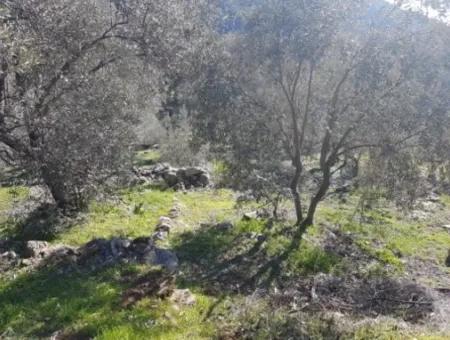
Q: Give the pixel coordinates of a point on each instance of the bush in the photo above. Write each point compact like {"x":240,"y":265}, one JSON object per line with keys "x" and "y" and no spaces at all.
{"x":177,"y":148}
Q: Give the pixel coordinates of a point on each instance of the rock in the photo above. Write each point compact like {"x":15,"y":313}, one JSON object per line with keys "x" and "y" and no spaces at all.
{"x":93,"y":247}
{"x":160,"y":168}
{"x":164,"y":227}
{"x":174,"y":212}
{"x":250,"y":216}
{"x":170,"y":177}
{"x":161,"y":257}
{"x":164,"y":220}
{"x":26,"y":262}
{"x":9,"y":256}
{"x":419,"y":215}
{"x":447,"y":260}
{"x":61,"y":254}
{"x":246,"y":197}
{"x":204,"y":180}
{"x":141,"y":245}
{"x":224,"y":226}
{"x":8,"y":260}
{"x":35,"y":248}
{"x":190,"y":172}
{"x":119,"y":246}
{"x":433,"y":198}
{"x":183,"y":297}
{"x":160,"y":235}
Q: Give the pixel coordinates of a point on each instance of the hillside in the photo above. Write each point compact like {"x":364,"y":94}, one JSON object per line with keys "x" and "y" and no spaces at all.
{"x":394,"y":263}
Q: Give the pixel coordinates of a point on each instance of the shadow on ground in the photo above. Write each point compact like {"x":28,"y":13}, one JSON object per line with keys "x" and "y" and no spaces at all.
{"x":44,"y":222}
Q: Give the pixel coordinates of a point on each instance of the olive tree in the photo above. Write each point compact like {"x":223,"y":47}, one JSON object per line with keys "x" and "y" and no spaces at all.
{"x":75,"y":73}
{"x":63,"y":111}
{"x":301,"y":88}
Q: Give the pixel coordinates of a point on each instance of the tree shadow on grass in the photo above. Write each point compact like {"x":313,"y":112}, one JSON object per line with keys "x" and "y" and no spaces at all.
{"x":40,"y":303}
{"x":44,"y":222}
{"x":11,"y":177}
{"x":225,"y":263}
{"x":219,"y":261}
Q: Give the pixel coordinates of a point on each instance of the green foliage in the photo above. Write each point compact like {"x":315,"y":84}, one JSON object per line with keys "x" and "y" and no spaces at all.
{"x":146,"y":157}
{"x":311,"y":260}
{"x":251,"y":226}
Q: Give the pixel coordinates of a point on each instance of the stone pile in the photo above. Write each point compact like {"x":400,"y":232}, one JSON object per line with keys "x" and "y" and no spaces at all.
{"x":178,"y":178}
{"x":93,"y":255}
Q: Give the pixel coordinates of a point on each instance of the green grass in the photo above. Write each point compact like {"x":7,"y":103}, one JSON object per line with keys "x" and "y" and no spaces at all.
{"x":9,"y":196}
{"x":146,"y":157}
{"x":387,"y":235}
{"x":37,"y":305}
{"x":137,"y":211}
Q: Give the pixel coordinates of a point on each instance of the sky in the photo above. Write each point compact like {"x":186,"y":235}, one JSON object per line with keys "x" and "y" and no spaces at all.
{"x":416,"y":6}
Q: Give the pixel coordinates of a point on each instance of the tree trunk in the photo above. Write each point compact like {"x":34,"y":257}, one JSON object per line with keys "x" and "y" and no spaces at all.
{"x":56,"y":188}
{"x":296,"y":195}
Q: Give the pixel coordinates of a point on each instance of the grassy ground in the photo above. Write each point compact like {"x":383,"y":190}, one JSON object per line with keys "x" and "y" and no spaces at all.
{"x":37,"y":304}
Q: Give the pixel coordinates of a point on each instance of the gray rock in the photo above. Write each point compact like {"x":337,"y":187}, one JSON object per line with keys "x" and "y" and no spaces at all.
{"x":35,"y":248}
{"x":160,"y":235}
{"x":174,"y":212}
{"x":164,"y":227}
{"x":183,"y":297}
{"x":250,"y":216}
{"x":190,"y":172}
{"x":164,"y":220}
{"x":9,"y":256}
{"x":26,"y":262}
{"x":170,"y":177}
{"x":204,"y":180}
{"x":224,"y":226}
{"x":161,"y":257}
{"x":119,"y":246}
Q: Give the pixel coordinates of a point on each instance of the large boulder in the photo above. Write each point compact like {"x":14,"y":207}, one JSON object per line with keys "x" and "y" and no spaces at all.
{"x":170,"y":176}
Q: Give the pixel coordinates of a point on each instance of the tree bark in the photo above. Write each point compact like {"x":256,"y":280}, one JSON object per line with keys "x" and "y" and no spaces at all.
{"x":56,"y":188}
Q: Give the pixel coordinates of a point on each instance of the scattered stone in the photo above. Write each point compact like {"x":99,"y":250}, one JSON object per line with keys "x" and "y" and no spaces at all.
{"x":164,"y":227}
{"x":433,"y":197}
{"x":178,"y":178}
{"x":161,"y":257}
{"x":224,"y":226}
{"x":8,"y":260}
{"x":9,"y":255}
{"x":164,"y":220}
{"x":35,"y":248}
{"x":419,"y":215}
{"x":183,"y":297}
{"x":174,"y":212}
{"x":119,"y":246}
{"x":160,"y":236}
{"x":250,"y":216}
{"x":26,"y":262}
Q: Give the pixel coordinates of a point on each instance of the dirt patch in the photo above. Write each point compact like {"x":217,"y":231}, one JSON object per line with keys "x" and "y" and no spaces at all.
{"x":155,"y":283}
{"x":368,"y":297}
